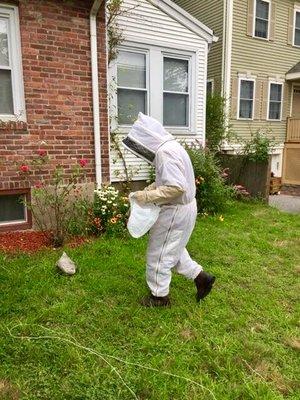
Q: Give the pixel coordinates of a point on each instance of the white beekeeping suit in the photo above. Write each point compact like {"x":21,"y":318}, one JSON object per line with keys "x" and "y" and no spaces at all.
{"x":174,"y":189}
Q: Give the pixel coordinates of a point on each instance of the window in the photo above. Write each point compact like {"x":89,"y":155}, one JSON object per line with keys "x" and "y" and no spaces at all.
{"x":132,"y":86}
{"x":297,"y":28}
{"x":246,"y":97}
{"x":11,"y":84}
{"x":209,"y":87}
{"x":261,"y":21}
{"x":13,"y":211}
{"x":176,"y":92}
{"x":157,"y":82}
{"x":275,"y":101}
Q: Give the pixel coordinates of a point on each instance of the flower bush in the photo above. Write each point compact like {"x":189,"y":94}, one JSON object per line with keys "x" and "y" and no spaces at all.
{"x":212,"y":192}
{"x":110,"y":211}
{"x":58,"y":205}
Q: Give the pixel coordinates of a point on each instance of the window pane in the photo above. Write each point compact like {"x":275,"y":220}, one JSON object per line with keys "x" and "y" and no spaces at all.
{"x":261,"y":28}
{"x":275,"y":92}
{"x":246,"y":107}
{"x":6,"y":99}
{"x":247,"y":89}
{"x":11,"y":208}
{"x":131,"y":69}
{"x":297,"y":37}
{"x":176,"y":75}
{"x":298,"y":20}
{"x":262,"y":9}
{"x":130,"y":103}
{"x":274,"y":112}
{"x":4,"y":60}
{"x":176,"y":109}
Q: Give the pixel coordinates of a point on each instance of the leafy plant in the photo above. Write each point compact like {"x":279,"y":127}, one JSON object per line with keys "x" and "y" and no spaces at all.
{"x":57,"y":202}
{"x":216,"y":128}
{"x":259,"y":147}
{"x":213,"y":195}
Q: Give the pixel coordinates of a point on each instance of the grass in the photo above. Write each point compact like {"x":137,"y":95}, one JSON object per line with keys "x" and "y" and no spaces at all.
{"x":242,"y":342}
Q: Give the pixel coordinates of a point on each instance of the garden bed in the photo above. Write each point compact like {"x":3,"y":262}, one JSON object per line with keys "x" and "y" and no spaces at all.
{"x":30,"y":241}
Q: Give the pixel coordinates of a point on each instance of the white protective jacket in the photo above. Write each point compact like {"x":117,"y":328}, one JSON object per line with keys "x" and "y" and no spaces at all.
{"x":170,"y":234}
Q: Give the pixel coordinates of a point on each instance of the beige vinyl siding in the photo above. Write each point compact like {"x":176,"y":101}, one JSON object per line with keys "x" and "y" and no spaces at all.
{"x":211,"y":14}
{"x":265,"y":60}
{"x":146,"y":24}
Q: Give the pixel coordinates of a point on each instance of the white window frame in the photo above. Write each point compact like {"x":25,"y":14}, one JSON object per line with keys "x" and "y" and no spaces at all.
{"x":254,"y":20}
{"x":11,"y":13}
{"x":296,"y":10}
{"x":212,"y":81}
{"x":188,"y":93}
{"x":241,"y":78}
{"x":17,"y":221}
{"x":269,"y":92}
{"x":146,"y":90}
{"x":156,"y":55}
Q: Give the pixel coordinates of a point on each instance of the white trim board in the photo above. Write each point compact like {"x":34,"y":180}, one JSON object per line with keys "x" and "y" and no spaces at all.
{"x":185,"y":19}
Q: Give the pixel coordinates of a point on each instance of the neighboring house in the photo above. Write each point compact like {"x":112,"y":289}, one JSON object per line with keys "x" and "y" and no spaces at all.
{"x":255,"y":65}
{"x":49,"y":97}
{"x":160,"y":70}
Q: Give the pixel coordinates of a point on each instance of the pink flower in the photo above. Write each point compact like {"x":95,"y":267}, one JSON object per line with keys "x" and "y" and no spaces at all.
{"x":24,"y":168}
{"x":42,"y":153}
{"x":83,"y":162}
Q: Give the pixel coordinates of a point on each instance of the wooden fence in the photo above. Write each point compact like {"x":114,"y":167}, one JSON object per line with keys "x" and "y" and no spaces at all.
{"x":293,"y":130}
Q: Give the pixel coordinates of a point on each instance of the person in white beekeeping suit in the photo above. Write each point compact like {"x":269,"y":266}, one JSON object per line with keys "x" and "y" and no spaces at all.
{"x":174,"y":190}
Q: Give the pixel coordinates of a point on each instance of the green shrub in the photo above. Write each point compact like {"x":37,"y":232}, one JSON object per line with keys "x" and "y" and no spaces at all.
{"x":259,"y":147}
{"x":213,"y":194}
{"x":215,"y":121}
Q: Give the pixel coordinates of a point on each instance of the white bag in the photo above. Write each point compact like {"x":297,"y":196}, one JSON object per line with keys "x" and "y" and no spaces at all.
{"x":142,"y":217}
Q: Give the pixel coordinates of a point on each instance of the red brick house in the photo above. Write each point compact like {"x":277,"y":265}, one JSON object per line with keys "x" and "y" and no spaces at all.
{"x":53,"y":93}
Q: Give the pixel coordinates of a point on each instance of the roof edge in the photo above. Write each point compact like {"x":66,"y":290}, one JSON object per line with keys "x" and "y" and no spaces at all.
{"x":184,"y":18}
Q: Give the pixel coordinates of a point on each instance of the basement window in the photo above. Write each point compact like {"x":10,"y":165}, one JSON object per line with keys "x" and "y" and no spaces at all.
{"x":13,"y":210}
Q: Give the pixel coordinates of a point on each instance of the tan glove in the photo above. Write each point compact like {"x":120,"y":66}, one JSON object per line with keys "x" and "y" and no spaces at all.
{"x":160,"y":195}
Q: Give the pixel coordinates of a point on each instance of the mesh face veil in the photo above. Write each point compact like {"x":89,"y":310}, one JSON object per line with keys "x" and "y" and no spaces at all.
{"x":145,"y":137}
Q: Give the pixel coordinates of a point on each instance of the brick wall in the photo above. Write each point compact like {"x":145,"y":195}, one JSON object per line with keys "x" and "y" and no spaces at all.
{"x":58,"y":91}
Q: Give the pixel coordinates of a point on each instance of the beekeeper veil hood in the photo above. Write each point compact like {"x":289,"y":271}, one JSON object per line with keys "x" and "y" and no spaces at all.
{"x":146,"y":136}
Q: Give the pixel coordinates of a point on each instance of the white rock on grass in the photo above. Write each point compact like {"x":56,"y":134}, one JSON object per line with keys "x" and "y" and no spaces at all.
{"x":66,"y":265}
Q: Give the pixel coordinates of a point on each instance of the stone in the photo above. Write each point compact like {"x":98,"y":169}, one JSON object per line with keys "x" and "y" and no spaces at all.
{"x":66,"y":265}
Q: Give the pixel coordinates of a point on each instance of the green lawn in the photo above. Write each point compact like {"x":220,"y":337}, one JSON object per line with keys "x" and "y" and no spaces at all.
{"x":242,"y":342}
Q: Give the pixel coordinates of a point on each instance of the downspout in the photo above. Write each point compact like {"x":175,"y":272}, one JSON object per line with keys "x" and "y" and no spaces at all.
{"x":95,"y":89}
{"x":227,"y":55}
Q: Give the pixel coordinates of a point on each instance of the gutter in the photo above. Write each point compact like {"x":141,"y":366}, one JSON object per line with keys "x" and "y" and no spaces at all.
{"x":95,"y":89}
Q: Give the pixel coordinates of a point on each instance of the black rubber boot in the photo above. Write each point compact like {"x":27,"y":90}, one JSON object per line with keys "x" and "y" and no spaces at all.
{"x":152,"y":301}
{"x":204,"y":283}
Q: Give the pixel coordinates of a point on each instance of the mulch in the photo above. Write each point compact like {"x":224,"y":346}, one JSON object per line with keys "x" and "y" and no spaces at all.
{"x":30,"y":242}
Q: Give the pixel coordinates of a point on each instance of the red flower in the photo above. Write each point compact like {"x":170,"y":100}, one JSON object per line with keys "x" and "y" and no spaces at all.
{"x":24,"y":168}
{"x":83,"y":162}
{"x":42,"y":153}
{"x":38,"y":185}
